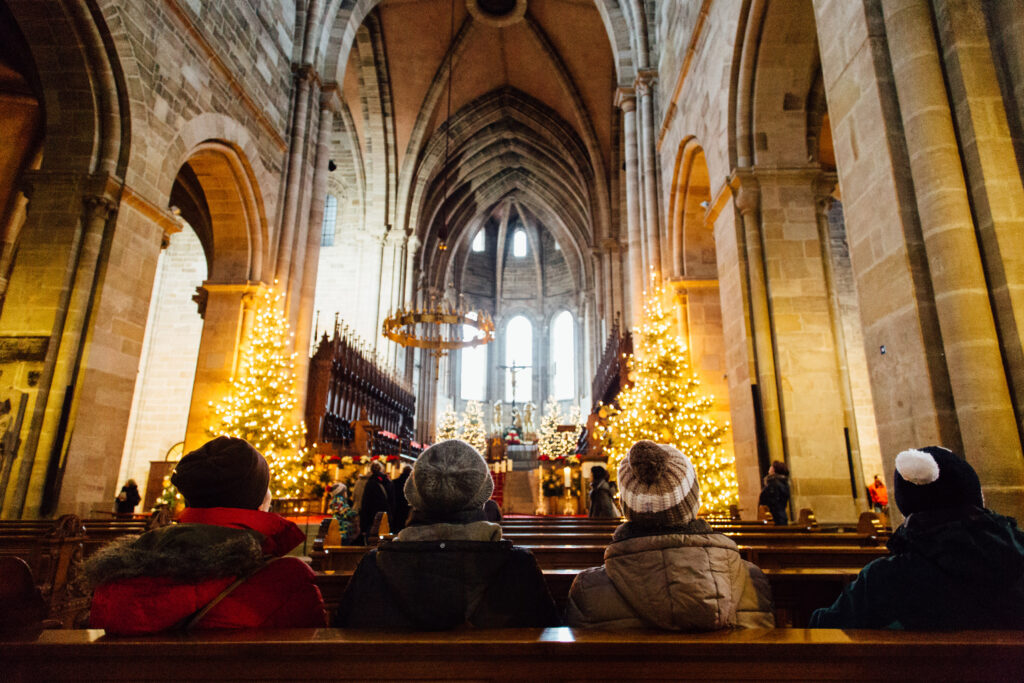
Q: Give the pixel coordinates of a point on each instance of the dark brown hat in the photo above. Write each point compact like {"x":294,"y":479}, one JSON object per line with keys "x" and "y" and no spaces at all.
{"x":223,"y":473}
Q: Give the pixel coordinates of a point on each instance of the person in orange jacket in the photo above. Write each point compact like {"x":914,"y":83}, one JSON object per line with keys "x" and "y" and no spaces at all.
{"x":879,"y":496}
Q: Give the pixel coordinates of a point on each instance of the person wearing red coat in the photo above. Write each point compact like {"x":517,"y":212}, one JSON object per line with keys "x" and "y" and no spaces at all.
{"x":226,"y":545}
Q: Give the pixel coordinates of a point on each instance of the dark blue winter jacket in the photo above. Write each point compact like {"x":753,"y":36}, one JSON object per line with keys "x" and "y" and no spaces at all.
{"x":949,"y":569}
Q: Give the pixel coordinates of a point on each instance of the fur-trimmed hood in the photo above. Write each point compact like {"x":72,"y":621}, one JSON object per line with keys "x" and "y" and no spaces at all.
{"x":207,"y":543}
{"x":183,"y":552}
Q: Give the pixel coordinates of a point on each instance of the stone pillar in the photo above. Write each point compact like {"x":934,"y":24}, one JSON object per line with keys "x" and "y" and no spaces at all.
{"x":985,"y":415}
{"x":652,"y":227}
{"x":626,"y":101}
{"x":70,"y":318}
{"x":227,"y":311}
{"x":614,"y":258}
{"x":747,"y":199}
{"x":738,"y":365}
{"x":910,"y":382}
{"x":311,"y":250}
{"x":822,"y":199}
{"x":295,"y":172}
{"x":807,"y":384}
{"x":992,"y":172}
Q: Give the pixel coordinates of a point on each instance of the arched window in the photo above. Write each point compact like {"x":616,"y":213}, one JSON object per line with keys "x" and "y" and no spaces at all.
{"x":473,"y":383}
{"x":519,"y":353}
{"x":563,"y":357}
{"x":330,"y":219}
{"x":519,"y":243}
{"x":479,"y":242}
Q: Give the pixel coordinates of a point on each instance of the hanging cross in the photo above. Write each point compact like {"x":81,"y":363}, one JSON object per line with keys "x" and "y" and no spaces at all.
{"x":513,"y":369}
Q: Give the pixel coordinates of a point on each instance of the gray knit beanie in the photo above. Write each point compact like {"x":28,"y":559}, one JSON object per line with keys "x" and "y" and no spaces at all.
{"x":450,"y":476}
{"x":658,"y":486}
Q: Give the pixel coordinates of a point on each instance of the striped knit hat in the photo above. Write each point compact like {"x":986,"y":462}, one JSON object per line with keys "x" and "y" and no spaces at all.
{"x":658,"y":486}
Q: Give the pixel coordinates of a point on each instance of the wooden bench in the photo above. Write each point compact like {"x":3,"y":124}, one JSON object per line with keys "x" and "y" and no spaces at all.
{"x":518,"y":654}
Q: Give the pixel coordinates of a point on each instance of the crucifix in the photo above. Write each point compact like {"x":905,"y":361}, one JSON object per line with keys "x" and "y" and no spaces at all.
{"x":513,"y":369}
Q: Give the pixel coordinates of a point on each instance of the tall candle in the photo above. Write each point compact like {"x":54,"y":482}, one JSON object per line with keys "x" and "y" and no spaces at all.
{"x":568,"y":481}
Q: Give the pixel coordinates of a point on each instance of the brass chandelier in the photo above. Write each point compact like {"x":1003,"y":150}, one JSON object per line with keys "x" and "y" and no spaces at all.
{"x":423,"y":328}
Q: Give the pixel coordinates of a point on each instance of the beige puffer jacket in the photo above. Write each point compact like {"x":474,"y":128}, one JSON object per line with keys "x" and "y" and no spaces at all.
{"x":676,"y":581}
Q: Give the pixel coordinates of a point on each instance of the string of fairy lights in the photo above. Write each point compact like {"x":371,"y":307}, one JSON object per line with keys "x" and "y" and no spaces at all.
{"x":664,"y":404}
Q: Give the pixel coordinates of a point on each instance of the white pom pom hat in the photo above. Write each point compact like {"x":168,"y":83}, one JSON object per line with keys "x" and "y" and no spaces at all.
{"x":932,"y":478}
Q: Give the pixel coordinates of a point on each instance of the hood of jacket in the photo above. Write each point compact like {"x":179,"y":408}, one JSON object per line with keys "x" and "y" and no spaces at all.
{"x":681,"y":578}
{"x":973,"y":547}
{"x":439,"y":573}
{"x":207,"y":543}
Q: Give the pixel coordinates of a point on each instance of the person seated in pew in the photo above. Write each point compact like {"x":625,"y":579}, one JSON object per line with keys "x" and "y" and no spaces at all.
{"x":447,"y":568}
{"x":221,"y":567}
{"x":602,"y":498}
{"x":954,"y":564}
{"x":664,"y":567}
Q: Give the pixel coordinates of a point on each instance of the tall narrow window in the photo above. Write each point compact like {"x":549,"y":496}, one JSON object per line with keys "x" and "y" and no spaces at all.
{"x":479,"y":242}
{"x":473,"y":384}
{"x":519,"y":360}
{"x":330,"y":218}
{"x":519,"y":243}
{"x":563,"y":356}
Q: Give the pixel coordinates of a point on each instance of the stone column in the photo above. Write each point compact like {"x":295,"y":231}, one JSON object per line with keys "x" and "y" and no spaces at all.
{"x":822,"y":200}
{"x":992,"y":172}
{"x":626,"y":101}
{"x":311,"y":259}
{"x":988,"y":429}
{"x":613,"y":250}
{"x":304,"y":76}
{"x":747,"y":199}
{"x":652,"y":229}
{"x":61,"y":364}
{"x":227,"y":310}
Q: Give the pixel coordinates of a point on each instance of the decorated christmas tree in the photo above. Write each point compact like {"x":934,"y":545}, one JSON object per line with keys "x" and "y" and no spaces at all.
{"x":570,"y":439}
{"x":549,"y":441}
{"x":260,"y":404}
{"x":473,"y":427}
{"x":447,"y":428}
{"x":664,"y":404}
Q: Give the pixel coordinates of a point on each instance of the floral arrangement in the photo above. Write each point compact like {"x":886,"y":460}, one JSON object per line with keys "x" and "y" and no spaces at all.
{"x":562,"y":458}
{"x":512,"y":437}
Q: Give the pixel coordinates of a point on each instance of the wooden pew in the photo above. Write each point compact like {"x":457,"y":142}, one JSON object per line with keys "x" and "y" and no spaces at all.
{"x":773,"y":558}
{"x":534,"y":654}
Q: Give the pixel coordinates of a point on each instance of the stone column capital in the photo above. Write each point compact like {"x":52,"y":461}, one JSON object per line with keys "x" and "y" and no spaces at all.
{"x":824,"y":186}
{"x":746,"y":191}
{"x":625,"y":99}
{"x":645,"y":80}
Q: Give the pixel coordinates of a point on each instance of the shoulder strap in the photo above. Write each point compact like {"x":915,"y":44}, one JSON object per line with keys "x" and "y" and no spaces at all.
{"x":189,"y":622}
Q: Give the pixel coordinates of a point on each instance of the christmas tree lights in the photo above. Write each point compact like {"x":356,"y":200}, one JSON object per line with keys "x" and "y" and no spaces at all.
{"x":260,"y":403}
{"x":549,"y":440}
{"x":664,"y":405}
{"x":473,"y":427}
{"x":448,"y":427}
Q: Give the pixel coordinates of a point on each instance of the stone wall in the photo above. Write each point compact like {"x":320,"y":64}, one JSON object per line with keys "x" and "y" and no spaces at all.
{"x":167,"y":365}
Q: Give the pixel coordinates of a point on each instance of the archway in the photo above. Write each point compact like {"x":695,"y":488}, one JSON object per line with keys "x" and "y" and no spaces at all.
{"x":694,"y":281}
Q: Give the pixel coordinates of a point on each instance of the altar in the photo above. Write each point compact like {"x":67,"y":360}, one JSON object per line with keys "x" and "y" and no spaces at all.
{"x":523,"y":456}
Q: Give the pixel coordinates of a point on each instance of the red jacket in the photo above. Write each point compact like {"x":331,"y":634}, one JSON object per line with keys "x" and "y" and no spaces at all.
{"x":152,"y":583}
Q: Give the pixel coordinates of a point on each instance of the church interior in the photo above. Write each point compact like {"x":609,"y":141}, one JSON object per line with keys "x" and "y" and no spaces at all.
{"x":424,"y":219}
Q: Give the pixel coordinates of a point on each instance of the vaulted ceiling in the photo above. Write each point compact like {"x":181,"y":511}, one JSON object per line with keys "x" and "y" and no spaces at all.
{"x":526,"y":110}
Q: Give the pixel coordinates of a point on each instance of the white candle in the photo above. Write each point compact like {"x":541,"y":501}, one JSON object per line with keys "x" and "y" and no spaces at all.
{"x":568,"y":478}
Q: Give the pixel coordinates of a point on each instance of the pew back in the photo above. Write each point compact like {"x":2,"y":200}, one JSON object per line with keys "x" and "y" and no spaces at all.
{"x":519,"y":654}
